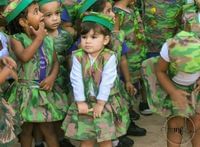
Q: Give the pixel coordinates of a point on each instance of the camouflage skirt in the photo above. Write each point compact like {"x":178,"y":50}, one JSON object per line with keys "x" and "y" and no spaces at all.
{"x":37,"y":105}
{"x":113,"y":122}
{"x":9,"y":124}
{"x":159,"y":101}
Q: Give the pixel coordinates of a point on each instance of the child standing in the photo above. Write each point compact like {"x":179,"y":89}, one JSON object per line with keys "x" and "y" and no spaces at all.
{"x":9,"y":122}
{"x":34,"y":95}
{"x":98,"y":113}
{"x":62,"y":41}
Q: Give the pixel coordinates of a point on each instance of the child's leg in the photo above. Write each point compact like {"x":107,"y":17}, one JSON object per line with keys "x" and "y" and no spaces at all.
{"x":87,"y":143}
{"x":105,"y":144}
{"x":194,"y":129}
{"x":175,"y":130}
{"x":26,"y":135}
{"x":37,"y":134}
{"x":49,"y":134}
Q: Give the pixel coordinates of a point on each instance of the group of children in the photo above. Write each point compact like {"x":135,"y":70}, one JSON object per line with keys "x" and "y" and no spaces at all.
{"x":75,"y":78}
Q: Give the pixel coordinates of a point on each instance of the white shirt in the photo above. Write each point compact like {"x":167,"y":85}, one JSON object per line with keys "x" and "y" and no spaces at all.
{"x":109,"y":75}
{"x":4,"y":42}
{"x":181,"y":78}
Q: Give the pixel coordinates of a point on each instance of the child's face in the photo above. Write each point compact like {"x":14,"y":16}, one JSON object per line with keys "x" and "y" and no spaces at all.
{"x":93,"y":42}
{"x":34,"y":16}
{"x":108,"y":10}
{"x":51,"y":13}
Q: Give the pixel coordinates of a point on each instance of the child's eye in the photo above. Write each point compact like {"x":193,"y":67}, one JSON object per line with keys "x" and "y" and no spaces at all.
{"x":47,"y":15}
{"x":83,"y":36}
{"x":58,"y":13}
{"x":94,"y":36}
{"x":36,"y":11}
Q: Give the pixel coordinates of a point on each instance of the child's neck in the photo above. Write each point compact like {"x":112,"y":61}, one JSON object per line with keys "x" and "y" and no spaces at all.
{"x":53,"y":33}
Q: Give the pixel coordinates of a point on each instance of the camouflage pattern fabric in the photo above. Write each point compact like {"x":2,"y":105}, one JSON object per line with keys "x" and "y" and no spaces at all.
{"x":33,"y":103}
{"x":131,"y":24}
{"x":191,"y":18}
{"x":9,"y":124}
{"x":158,"y":100}
{"x":114,"y":120}
{"x":61,"y":44}
{"x":162,"y":19}
{"x":117,"y":38}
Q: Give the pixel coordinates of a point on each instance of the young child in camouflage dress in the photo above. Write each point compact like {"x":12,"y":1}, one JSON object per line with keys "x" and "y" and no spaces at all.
{"x":173,"y":92}
{"x":98,"y":113}
{"x":128,"y":19}
{"x":34,"y":95}
{"x":9,"y":122}
{"x":62,"y":41}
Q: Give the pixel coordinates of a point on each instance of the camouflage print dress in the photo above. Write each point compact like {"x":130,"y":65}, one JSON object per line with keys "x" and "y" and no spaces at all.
{"x":33,"y":103}
{"x":9,"y":124}
{"x":117,"y":41}
{"x":114,"y":120}
{"x":61,"y":44}
{"x":184,"y":54}
{"x":161,"y":20}
{"x":131,"y":24}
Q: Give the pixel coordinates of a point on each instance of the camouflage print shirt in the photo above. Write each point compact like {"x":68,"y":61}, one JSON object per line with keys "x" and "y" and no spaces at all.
{"x":162,"y":21}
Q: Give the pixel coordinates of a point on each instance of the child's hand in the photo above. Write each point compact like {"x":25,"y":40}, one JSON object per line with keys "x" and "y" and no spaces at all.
{"x":82,"y":107}
{"x":9,"y":62}
{"x":179,"y":97}
{"x":47,"y":83}
{"x":41,"y":32}
{"x":130,"y":88}
{"x":98,"y":108}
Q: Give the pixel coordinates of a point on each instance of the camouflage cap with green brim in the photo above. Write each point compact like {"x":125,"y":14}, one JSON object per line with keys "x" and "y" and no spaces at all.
{"x":99,"y":18}
{"x":85,"y":5}
{"x":14,"y":8}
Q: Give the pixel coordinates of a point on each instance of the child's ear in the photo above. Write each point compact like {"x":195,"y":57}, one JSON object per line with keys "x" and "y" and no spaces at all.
{"x":22,"y":22}
{"x":106,"y":40}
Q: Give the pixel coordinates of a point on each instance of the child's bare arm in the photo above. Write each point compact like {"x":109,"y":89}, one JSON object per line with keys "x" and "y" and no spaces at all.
{"x":6,"y":69}
{"x":25,"y":54}
{"x":124,"y":68}
{"x":179,"y":97}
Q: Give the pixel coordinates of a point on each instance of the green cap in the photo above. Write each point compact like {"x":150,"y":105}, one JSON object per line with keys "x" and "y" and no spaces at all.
{"x":42,"y":2}
{"x":3,"y":2}
{"x":99,"y":18}
{"x":85,"y":5}
{"x":14,"y":8}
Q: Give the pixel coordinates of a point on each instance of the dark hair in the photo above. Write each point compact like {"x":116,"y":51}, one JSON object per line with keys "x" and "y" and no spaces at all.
{"x":87,"y":26}
{"x":14,"y":27}
{"x":98,"y":6}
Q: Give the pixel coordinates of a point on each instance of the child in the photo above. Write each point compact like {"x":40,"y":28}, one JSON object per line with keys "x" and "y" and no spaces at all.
{"x":62,"y":41}
{"x":98,"y":113}
{"x":129,"y":20}
{"x":9,"y":122}
{"x":172,"y":92}
{"x":34,"y":95}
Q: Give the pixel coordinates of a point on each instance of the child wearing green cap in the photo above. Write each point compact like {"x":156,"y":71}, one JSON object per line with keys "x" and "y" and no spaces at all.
{"x":9,"y":120}
{"x":62,"y":41}
{"x":98,"y":112}
{"x":34,"y":96}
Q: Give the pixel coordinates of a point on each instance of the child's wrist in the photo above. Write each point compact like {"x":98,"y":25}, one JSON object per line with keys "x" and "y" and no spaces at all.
{"x":101,"y":103}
